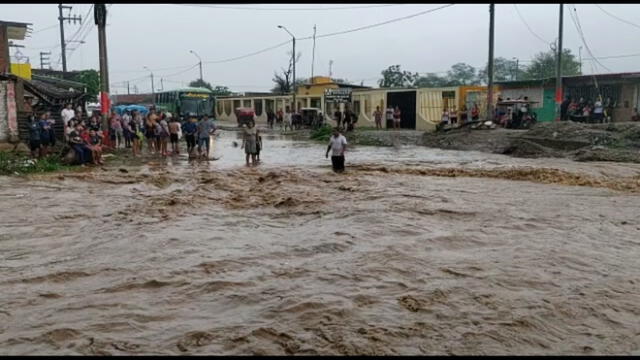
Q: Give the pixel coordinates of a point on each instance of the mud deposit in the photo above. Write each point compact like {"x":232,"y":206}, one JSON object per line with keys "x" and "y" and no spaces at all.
{"x":411,"y":251}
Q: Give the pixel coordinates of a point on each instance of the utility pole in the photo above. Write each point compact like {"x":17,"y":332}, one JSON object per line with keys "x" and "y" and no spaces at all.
{"x":330,"y":66}
{"x":199,"y":63}
{"x":100,"y":17}
{"x":293,"y":58}
{"x":128,"y":91}
{"x":313,"y":54}
{"x":517,"y":68}
{"x":63,"y":45}
{"x":45,"y":61}
{"x":490,"y":65}
{"x":559,"y":67}
{"x":153,"y":89}
{"x":580,"y":58}
{"x":295,"y":90}
{"x":161,"y":84}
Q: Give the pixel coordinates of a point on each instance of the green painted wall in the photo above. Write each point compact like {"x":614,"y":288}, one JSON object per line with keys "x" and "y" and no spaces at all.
{"x":548,"y":110}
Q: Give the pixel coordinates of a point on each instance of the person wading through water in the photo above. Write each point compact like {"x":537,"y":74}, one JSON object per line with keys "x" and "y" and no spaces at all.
{"x":337,"y":144}
{"x":250,"y":142}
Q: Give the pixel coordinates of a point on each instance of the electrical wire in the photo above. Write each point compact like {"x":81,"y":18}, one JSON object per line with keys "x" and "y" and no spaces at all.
{"x":318,"y":36}
{"x":529,"y":27}
{"x":328,"y":35}
{"x":289,"y":9}
{"x":576,"y":22}
{"x":617,"y":18}
{"x":247,"y":55}
{"x":380,"y":23}
{"x":45,"y":29}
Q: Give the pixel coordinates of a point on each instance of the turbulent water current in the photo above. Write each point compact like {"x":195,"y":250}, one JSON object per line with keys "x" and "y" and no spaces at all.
{"x":410,"y":251}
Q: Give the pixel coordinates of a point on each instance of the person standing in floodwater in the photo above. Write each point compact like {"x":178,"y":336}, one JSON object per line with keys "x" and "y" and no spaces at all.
{"x":189,"y":129}
{"x":337,"y":144}
{"x":250,"y":142}
{"x":174,"y":131}
{"x":396,"y":118}
{"x":206,"y":128}
{"x":377,"y":115}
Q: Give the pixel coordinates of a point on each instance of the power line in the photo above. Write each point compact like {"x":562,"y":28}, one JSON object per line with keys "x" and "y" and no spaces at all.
{"x":328,"y":35}
{"x":529,"y":27}
{"x":248,"y":55}
{"x":289,"y":9}
{"x":617,"y":18}
{"x":613,"y":57}
{"x":576,"y":22}
{"x":319,"y":36}
{"x":45,"y":29}
{"x":380,"y":23}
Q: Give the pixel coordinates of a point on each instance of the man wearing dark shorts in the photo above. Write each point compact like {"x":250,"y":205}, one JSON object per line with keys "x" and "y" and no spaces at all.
{"x":174,"y":129}
{"x":189,"y":129}
{"x":337,"y":144}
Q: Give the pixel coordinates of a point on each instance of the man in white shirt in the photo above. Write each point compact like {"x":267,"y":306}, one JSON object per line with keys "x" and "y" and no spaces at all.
{"x":337,"y":144}
{"x":67,"y":114}
{"x":288,"y":120}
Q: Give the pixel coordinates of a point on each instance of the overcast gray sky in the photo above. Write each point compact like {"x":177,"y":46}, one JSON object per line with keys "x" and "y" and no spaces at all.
{"x":160,"y":37}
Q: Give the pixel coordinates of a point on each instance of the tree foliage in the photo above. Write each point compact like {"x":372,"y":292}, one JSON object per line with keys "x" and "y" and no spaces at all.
{"x":91,"y":78}
{"x":503,"y":70}
{"x":201,"y":84}
{"x":393,"y":76}
{"x":543,"y":65}
{"x":462,"y":74}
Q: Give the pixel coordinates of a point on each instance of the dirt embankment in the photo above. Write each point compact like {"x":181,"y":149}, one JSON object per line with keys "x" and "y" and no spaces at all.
{"x":582,"y":142}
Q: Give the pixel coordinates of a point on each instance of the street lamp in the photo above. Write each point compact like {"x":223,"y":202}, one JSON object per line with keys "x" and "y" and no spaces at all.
{"x":153,"y":89}
{"x":293,"y":58}
{"x":517,"y":67}
{"x":200,"y":63}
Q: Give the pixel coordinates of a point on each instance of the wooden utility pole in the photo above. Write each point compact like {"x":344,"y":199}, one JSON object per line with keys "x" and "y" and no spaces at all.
{"x":128,"y":91}
{"x":559,"y":67}
{"x":490,"y":64}
{"x":63,"y":44}
{"x":313,"y":54}
{"x":100,"y":17}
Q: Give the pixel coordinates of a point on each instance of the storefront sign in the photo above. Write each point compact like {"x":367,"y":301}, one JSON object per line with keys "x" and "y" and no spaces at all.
{"x":338,"y":95}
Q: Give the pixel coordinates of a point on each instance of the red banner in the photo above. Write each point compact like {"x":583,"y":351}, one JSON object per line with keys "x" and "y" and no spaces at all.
{"x":105,"y":103}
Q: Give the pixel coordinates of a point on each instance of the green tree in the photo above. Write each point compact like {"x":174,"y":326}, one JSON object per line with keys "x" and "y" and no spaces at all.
{"x":462,"y":74}
{"x":221,"y":91}
{"x":543,"y":65}
{"x":91,"y":78}
{"x":503,"y":70}
{"x":201,"y":84}
{"x":394,"y":77}
{"x":431,"y":80}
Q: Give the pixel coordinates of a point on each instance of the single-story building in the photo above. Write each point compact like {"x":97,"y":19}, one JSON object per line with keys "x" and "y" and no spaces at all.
{"x":623,"y":88}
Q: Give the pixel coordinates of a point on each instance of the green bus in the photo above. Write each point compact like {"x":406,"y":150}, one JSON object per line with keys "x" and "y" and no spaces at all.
{"x":182,"y":102}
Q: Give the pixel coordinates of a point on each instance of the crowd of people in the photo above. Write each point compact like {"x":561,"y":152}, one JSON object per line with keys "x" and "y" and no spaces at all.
{"x":158,"y":129}
{"x":588,"y":111}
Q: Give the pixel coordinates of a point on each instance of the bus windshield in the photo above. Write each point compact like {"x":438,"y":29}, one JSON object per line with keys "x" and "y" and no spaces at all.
{"x":197,"y":106}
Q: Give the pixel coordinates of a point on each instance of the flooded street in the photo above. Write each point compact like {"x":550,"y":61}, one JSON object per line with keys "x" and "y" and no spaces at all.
{"x":411,"y":251}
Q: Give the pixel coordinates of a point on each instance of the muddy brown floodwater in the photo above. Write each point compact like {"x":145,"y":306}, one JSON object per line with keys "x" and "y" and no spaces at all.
{"x":411,"y":251}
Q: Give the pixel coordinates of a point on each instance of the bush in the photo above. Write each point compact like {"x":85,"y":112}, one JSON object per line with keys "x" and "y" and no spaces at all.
{"x":321,"y":134}
{"x":12,"y":163}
